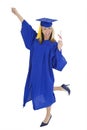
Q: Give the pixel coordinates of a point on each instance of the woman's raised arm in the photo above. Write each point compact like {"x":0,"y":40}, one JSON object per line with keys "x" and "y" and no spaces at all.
{"x":14,"y":10}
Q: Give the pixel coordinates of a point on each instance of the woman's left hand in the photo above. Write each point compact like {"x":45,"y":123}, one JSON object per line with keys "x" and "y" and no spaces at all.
{"x":60,"y":43}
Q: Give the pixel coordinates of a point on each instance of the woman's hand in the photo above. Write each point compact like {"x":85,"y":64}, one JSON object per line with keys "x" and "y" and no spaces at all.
{"x":14,"y":11}
{"x":17,"y":14}
{"x":60,"y":43}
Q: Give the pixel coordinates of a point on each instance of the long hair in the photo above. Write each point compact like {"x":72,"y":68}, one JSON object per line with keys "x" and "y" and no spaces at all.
{"x":40,"y":35}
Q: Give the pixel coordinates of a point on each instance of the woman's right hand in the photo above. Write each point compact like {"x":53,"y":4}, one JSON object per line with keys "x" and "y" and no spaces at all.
{"x":14,"y":11}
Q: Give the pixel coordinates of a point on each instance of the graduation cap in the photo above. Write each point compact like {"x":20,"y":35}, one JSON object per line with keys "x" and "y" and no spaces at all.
{"x":46,"y":22}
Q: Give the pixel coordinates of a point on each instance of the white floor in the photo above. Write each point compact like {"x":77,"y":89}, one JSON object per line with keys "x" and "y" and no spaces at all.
{"x":69,"y":112}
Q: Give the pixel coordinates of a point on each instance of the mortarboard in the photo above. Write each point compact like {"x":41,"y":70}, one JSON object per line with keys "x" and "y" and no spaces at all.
{"x":46,"y":22}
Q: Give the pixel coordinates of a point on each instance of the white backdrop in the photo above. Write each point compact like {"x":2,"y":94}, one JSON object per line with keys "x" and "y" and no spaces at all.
{"x":69,"y":112}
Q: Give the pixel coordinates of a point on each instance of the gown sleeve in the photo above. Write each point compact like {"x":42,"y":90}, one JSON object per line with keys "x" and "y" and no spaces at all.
{"x":58,"y":60}
{"x":28,"y":34}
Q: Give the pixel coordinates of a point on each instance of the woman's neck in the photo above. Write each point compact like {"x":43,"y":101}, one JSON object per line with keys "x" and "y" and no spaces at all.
{"x":46,"y":38}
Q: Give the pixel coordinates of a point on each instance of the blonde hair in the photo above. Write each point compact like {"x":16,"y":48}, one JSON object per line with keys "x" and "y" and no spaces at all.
{"x":40,"y":35}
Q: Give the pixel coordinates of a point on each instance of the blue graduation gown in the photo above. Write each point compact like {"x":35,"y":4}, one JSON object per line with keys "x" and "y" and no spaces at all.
{"x":43,"y":58}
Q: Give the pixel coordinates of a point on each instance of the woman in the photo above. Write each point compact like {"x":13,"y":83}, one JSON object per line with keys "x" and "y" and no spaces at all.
{"x":45,"y":54}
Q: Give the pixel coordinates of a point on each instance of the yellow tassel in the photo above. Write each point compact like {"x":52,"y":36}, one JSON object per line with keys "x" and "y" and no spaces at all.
{"x":39,"y":34}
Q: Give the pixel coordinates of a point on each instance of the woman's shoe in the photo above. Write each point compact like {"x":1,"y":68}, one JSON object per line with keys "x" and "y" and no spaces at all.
{"x":44,"y":124}
{"x":65,"y":86}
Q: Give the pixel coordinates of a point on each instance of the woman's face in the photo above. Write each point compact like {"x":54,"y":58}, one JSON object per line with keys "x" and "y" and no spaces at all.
{"x":46,"y":32}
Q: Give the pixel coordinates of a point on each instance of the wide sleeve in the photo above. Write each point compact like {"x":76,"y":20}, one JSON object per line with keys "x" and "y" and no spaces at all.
{"x":28,"y":34}
{"x":58,"y":60}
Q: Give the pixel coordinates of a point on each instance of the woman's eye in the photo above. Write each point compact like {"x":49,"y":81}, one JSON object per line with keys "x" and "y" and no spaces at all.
{"x":49,"y":28}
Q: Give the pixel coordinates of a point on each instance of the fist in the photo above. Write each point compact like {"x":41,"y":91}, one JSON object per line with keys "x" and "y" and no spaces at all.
{"x":14,"y":10}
